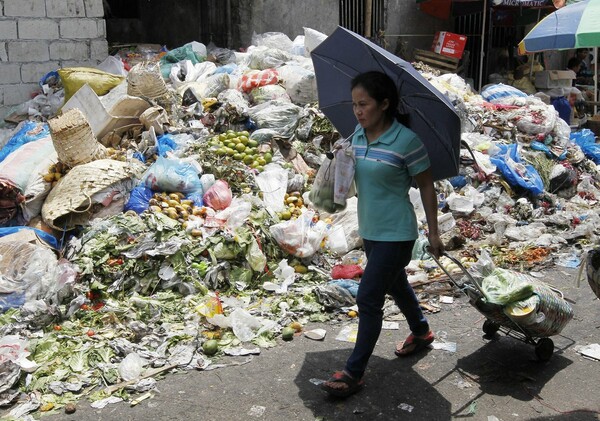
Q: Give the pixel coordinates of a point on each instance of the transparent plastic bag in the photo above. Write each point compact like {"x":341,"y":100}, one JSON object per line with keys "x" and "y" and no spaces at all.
{"x":131,"y":367}
{"x":322,"y":193}
{"x":281,"y":116}
{"x":300,"y":237}
{"x":266,"y":93}
{"x":272,"y":40}
{"x":273,"y":182}
{"x":244,"y":325}
{"x":262,"y":58}
{"x":504,"y":287}
{"x":172,"y":175}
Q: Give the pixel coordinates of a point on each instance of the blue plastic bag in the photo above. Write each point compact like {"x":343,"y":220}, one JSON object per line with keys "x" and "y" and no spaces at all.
{"x":196,"y":197}
{"x":165,"y":144}
{"x":227,"y":68}
{"x":586,"y":140}
{"x":562,"y":106}
{"x":349,"y":284}
{"x":539,"y":146}
{"x":29,"y":131}
{"x":172,"y":175}
{"x":42,"y":235}
{"x":12,"y":300}
{"x":515,"y":171}
{"x":138,"y":199}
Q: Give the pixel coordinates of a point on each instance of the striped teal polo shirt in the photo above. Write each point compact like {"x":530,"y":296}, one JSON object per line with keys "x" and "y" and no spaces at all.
{"x":383,"y":176}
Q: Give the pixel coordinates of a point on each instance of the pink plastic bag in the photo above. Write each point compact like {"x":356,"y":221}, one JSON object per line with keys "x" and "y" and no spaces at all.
{"x":218,"y":196}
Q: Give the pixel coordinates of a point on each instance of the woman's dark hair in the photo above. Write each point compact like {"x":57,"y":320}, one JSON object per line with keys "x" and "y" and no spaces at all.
{"x":573,"y":61}
{"x":379,"y":86}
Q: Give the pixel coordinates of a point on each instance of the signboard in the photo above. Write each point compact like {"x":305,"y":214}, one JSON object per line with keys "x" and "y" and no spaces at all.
{"x":521,"y":3}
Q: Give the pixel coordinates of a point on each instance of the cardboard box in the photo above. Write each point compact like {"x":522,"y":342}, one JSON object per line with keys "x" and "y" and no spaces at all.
{"x":449,"y":44}
{"x":548,"y":79}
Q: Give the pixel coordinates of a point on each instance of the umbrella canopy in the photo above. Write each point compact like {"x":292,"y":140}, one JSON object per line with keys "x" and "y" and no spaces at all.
{"x":344,"y":54}
{"x":574,"y":26}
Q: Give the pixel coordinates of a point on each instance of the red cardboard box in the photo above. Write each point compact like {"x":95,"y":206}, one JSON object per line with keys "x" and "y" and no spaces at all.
{"x":449,"y":44}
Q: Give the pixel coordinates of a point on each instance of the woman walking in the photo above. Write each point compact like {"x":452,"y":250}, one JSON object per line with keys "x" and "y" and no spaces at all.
{"x":388,"y":157}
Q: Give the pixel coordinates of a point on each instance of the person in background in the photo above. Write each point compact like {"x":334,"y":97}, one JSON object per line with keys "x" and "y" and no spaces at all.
{"x":560,"y":102}
{"x":388,"y":157}
{"x":577,"y":104}
{"x":522,"y":82}
{"x":584,"y":76}
{"x":578,"y":65}
{"x":574,"y":64}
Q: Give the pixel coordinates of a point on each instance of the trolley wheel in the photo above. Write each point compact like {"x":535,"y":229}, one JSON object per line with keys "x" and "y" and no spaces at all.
{"x":544,"y":349}
{"x":490,"y":328}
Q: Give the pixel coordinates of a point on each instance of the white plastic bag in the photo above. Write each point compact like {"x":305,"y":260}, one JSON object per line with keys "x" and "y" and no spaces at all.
{"x":244,"y":325}
{"x":300,"y":83}
{"x":272,"y":182}
{"x":209,"y":87}
{"x":263,"y":58}
{"x":236,"y":213}
{"x":131,"y":367}
{"x":285,"y":276}
{"x":312,"y":38}
{"x":273,"y":40}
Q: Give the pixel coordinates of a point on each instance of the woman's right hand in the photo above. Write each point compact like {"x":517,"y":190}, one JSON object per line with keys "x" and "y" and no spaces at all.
{"x":436,"y":246}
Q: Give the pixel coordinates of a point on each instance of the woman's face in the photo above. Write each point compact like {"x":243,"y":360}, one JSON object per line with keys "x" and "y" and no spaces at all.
{"x":367,"y":110}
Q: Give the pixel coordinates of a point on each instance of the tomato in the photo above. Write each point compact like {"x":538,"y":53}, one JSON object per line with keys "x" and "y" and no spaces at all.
{"x":57,"y":327}
{"x":90,"y":333}
{"x":97,"y":306}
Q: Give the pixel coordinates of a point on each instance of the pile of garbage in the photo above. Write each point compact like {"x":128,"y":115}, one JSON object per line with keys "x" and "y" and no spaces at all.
{"x":155,"y":214}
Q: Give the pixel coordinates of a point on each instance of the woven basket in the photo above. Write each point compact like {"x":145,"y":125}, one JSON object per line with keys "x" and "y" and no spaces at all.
{"x":74,"y":140}
{"x":145,"y":80}
{"x":69,"y":203}
{"x":553,"y":312}
{"x":593,"y":270}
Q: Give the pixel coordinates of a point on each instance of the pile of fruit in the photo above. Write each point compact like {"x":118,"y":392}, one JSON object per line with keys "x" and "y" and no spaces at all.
{"x":176,"y":207}
{"x":55,"y":173}
{"x":294,"y":204}
{"x":241,"y":148}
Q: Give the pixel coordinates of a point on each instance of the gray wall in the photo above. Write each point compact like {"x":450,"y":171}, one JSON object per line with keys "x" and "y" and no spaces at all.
{"x":287,"y":16}
{"x":37,"y":36}
{"x":409,"y":28}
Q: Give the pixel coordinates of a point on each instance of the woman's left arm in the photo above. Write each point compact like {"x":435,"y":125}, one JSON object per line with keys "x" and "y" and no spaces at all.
{"x":429,"y":198}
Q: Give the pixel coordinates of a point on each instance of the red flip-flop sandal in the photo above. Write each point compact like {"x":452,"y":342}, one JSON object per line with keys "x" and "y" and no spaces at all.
{"x":413,"y":344}
{"x":341,"y":377}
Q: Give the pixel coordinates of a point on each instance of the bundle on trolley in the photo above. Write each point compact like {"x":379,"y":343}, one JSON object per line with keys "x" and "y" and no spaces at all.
{"x":593,"y":270}
{"x":517,"y":304}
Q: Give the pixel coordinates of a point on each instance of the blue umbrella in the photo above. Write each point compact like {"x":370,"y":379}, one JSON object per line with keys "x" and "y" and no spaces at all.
{"x":344,"y":54}
{"x":576,"y":25}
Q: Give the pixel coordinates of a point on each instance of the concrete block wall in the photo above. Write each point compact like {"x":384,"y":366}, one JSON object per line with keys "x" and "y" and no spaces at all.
{"x":38,"y":36}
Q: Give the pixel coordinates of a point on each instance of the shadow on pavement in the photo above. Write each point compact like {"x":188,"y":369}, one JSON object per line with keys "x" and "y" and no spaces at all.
{"x":572,"y":416}
{"x":508,"y":367}
{"x":393,"y":390}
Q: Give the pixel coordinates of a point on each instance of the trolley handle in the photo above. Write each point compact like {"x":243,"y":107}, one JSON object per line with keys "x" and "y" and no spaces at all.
{"x":460,"y":266}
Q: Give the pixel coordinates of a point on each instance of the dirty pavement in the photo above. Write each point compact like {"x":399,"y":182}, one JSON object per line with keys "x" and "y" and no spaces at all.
{"x":160,"y":254}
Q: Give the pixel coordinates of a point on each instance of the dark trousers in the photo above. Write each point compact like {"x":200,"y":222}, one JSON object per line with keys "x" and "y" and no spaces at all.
{"x":384,"y":273}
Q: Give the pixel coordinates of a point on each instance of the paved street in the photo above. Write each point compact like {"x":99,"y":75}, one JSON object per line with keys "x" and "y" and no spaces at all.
{"x":483,"y":379}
